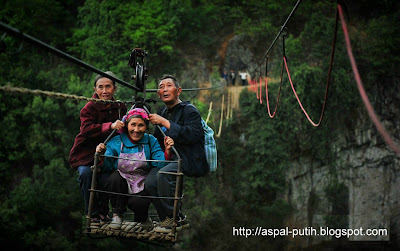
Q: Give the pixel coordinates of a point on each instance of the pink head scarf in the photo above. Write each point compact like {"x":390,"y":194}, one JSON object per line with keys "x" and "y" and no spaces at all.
{"x":136,"y":111}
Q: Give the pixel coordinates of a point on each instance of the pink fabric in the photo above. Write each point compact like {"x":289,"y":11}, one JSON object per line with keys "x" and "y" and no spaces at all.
{"x":136,"y":111}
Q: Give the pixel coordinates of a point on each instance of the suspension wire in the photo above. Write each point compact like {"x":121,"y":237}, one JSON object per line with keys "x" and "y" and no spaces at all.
{"x":66,"y":56}
{"x":361,"y":89}
{"x":192,"y":89}
{"x":60,"y":53}
{"x":280,"y":31}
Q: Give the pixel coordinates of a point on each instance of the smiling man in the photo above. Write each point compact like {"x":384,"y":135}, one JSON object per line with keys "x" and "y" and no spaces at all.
{"x":98,"y":119}
{"x":182,"y":122}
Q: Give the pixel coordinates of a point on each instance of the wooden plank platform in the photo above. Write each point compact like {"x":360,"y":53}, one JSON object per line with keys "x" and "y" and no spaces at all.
{"x":133,"y":230}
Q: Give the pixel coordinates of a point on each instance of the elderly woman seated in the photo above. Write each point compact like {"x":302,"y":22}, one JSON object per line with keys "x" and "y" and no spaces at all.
{"x":133,"y":147}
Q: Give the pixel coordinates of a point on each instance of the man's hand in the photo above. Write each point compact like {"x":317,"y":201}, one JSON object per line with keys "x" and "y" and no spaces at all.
{"x":168,"y":143}
{"x":156,"y":119}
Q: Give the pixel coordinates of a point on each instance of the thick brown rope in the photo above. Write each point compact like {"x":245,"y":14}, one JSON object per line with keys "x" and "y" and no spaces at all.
{"x":9,"y":88}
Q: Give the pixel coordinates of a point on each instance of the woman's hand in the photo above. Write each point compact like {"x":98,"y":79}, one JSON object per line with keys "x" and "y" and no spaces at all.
{"x":101,"y":148}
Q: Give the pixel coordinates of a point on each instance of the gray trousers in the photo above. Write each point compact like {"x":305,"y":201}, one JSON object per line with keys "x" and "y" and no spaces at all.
{"x":163,"y":185}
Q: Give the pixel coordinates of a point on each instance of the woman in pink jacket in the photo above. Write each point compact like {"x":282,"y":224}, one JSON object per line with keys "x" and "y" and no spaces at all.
{"x":98,"y":120}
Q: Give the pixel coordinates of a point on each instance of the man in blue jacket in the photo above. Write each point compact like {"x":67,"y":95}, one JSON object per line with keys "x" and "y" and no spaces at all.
{"x":182,"y":122}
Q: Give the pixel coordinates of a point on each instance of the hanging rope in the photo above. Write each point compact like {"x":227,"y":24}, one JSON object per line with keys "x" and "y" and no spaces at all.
{"x":222,"y":116}
{"x":253,"y":85}
{"x":279,"y":93}
{"x":277,"y":100}
{"x":328,"y":78}
{"x":232,"y":105}
{"x":250,"y":83}
{"x":291,"y":82}
{"x":361,"y":90}
{"x":229,"y":109}
{"x":235,"y":94}
{"x":260,"y":90}
{"x":298,"y":100}
{"x":256,"y":89}
{"x":209,"y":112}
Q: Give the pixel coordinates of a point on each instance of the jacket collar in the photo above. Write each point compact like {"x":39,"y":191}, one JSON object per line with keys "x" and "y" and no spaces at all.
{"x":183,"y":103}
{"x":128,"y":143}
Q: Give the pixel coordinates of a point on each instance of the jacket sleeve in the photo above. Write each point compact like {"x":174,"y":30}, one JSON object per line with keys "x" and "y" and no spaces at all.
{"x":113,"y":149}
{"x":191,"y":131}
{"x":156,"y":153}
{"x":89,"y":127}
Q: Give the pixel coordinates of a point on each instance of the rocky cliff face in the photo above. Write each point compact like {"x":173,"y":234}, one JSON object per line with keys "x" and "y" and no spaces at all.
{"x":360,"y":189}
